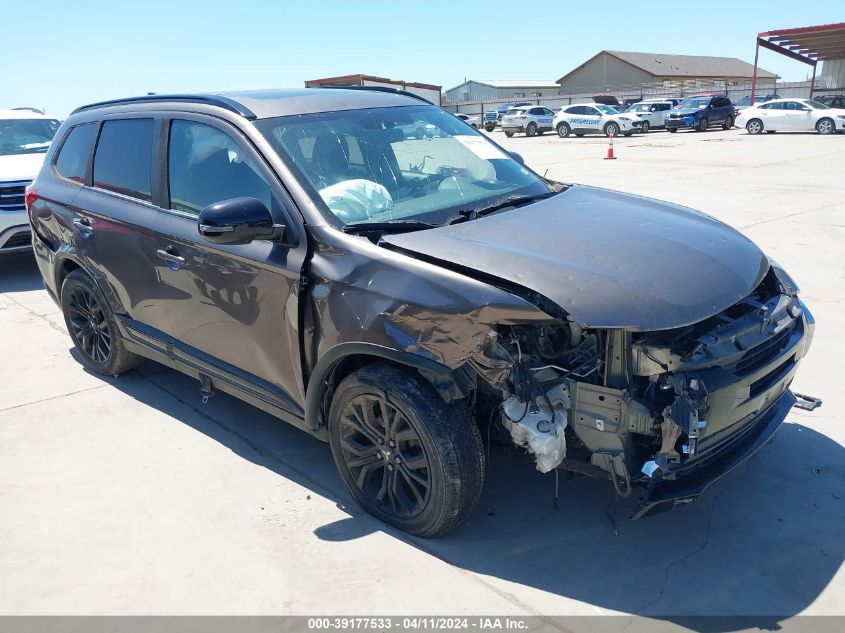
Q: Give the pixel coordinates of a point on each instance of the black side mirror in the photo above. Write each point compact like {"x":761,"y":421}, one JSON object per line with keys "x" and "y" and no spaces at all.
{"x":517,"y":157}
{"x":238,"y":221}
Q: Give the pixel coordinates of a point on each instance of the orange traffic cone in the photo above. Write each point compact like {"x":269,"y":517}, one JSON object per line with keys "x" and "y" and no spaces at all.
{"x":610,"y":155}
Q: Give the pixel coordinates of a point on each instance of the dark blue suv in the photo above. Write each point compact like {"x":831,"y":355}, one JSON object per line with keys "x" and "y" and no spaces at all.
{"x":699,"y":113}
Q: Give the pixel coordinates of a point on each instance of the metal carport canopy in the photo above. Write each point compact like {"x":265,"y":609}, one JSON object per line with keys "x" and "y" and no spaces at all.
{"x":808,"y":44}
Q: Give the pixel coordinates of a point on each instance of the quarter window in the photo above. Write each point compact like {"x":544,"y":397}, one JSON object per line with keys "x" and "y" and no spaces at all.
{"x":72,"y":162}
{"x":123,"y":160}
{"x":206,"y":165}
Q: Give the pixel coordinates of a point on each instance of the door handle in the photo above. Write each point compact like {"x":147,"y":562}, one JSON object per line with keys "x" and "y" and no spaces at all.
{"x":171,"y":256}
{"x":83,"y":225}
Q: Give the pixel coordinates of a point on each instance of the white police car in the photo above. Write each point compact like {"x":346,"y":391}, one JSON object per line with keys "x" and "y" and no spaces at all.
{"x":532,"y":120}
{"x":594,"y":118}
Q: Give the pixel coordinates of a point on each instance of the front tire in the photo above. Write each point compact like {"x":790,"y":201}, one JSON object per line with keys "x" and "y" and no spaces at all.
{"x":672,"y":130}
{"x":702,"y":126}
{"x":754,"y":126}
{"x":563,"y":130}
{"x":489,"y":128}
{"x":509,"y":134}
{"x":407,"y":457}
{"x":92,"y":327}
{"x":646,"y":127}
{"x":826,"y":126}
{"x":611,"y":129}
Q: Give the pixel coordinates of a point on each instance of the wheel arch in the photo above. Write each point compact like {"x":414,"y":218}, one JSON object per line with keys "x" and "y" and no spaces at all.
{"x":342,"y":359}
{"x":63,"y":267}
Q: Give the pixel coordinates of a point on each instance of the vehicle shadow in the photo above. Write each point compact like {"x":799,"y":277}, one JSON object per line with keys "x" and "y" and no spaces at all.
{"x":19,"y":273}
{"x":765,"y":541}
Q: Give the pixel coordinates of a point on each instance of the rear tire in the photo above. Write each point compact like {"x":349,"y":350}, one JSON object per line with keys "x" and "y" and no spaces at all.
{"x":489,"y":128}
{"x":826,"y":126}
{"x":531,"y":130}
{"x":729,"y":123}
{"x":754,"y":126}
{"x":508,"y":134}
{"x":407,"y":457}
{"x":563,"y":130}
{"x":92,"y":327}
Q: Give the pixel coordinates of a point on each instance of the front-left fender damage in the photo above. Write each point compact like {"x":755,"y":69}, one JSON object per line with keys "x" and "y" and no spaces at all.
{"x":371,"y":295}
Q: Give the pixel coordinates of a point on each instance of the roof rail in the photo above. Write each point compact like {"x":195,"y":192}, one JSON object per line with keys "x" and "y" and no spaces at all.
{"x":380,"y":89}
{"x":215,"y":100}
{"x":28,"y":109}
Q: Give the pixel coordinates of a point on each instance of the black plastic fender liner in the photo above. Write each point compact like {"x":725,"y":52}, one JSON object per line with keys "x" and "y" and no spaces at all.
{"x":664,"y":495}
{"x":329,"y":360}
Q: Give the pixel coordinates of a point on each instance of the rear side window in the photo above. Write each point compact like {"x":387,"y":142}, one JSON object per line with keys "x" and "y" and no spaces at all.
{"x":123,"y":160}
{"x":206,"y":165}
{"x":72,"y":161}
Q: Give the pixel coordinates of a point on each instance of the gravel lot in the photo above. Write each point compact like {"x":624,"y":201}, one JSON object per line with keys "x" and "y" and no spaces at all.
{"x":128,"y":496}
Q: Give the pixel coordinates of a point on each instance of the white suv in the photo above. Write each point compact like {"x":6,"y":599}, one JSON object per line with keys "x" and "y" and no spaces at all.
{"x":25,"y":136}
{"x":653,"y":113}
{"x":594,"y":118}
{"x":532,"y":120}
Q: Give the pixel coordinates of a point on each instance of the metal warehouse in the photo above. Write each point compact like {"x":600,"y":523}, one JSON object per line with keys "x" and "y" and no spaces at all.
{"x":501,"y":89}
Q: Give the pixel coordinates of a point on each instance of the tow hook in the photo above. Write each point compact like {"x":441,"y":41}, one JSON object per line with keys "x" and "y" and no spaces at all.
{"x":808,"y":403}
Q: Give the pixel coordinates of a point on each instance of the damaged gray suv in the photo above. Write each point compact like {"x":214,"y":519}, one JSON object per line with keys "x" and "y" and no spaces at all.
{"x":403,"y":297}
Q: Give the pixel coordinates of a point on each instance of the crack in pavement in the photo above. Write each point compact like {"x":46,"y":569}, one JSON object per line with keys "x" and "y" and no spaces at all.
{"x":705,"y":542}
{"x":34,"y":313}
{"x":56,"y":397}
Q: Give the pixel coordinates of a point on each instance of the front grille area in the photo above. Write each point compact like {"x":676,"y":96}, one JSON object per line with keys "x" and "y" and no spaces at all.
{"x":12,"y":195}
{"x":765,"y":352}
{"x":23,"y":238}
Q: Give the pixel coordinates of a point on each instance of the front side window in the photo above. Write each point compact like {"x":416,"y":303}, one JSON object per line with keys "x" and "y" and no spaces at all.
{"x":206,"y":165}
{"x":123,"y":159}
{"x":372,"y":165}
{"x":72,"y":161}
{"x":26,"y":136}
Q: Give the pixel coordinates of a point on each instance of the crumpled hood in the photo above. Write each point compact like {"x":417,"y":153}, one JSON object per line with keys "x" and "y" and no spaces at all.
{"x":610,"y":260}
{"x":20,"y":166}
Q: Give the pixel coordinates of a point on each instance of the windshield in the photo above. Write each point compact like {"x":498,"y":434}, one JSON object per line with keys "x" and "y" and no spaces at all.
{"x":695,"y":103}
{"x":606,"y":108}
{"x":399,"y":163}
{"x":817,"y":105}
{"x":26,"y":136}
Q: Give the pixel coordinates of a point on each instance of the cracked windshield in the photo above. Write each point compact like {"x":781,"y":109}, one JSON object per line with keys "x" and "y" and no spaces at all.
{"x":398,"y":164}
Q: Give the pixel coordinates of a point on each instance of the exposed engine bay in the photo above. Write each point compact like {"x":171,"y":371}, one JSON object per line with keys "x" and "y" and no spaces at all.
{"x":638,"y":407}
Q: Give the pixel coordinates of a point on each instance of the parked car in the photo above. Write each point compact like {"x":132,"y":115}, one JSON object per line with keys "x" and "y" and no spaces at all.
{"x":532,"y":120}
{"x":493,"y":119}
{"x":832,"y":101}
{"x":594,"y":118}
{"x":792,"y":115}
{"x":608,"y":100}
{"x":627,"y":103}
{"x":745,"y":102}
{"x":466,"y":118}
{"x":699,"y":113}
{"x":401,"y":300}
{"x":653,"y":113}
{"x":25,"y":136}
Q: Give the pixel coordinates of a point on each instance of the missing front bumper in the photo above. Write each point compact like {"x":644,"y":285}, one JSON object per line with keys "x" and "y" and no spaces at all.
{"x":663,"y":495}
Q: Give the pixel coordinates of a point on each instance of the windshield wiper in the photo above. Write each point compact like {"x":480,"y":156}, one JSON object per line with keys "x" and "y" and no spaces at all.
{"x":387,"y":226}
{"x":511,"y":201}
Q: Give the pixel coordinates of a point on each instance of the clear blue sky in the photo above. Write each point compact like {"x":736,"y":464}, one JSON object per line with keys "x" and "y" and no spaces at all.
{"x":60,"y":54}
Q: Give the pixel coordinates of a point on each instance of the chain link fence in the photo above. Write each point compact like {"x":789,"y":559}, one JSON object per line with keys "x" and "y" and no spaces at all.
{"x":797,"y":89}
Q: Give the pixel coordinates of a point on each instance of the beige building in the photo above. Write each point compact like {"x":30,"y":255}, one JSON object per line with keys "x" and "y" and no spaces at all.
{"x":616,"y":69}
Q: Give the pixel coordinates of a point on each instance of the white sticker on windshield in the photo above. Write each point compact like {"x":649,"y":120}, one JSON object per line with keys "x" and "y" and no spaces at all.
{"x":480,"y":147}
